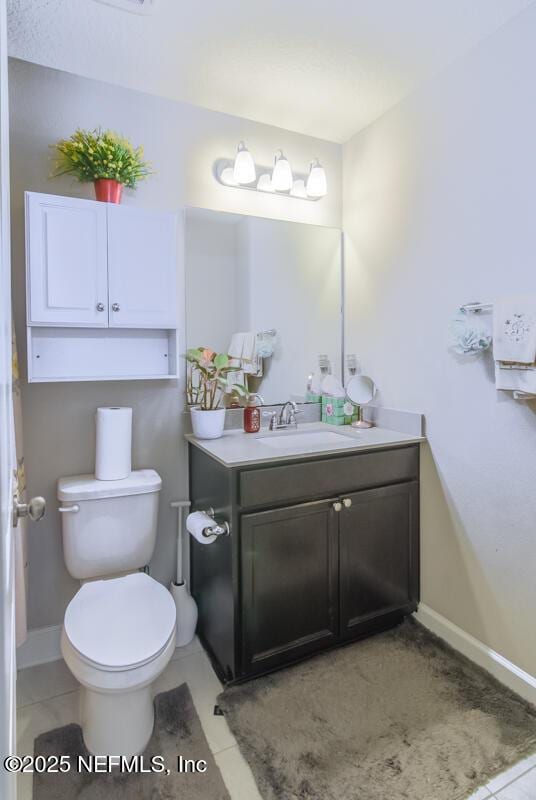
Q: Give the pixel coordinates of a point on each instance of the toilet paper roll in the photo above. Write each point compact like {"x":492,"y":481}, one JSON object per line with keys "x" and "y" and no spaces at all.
{"x":114,"y":443}
{"x":195,"y":525}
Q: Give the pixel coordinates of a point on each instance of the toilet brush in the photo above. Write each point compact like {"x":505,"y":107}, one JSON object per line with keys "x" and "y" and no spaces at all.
{"x":184,"y":602}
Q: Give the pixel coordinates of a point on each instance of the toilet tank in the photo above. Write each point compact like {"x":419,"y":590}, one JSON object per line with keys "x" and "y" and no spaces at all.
{"x":108,"y":526}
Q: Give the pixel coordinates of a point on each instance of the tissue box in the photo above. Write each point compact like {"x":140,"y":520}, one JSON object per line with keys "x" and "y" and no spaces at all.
{"x":333,"y":420}
{"x":338,"y":411}
{"x":311,"y":397}
{"x":333,"y":406}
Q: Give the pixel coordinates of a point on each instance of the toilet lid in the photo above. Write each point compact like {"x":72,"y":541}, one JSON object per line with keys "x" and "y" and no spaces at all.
{"x":122,"y":622}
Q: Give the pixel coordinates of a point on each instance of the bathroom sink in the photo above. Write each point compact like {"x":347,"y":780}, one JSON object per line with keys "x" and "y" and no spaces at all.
{"x":306,"y":439}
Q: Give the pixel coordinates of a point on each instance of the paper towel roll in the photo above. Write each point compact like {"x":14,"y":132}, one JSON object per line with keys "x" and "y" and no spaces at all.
{"x":114,"y":443}
{"x":195,"y":525}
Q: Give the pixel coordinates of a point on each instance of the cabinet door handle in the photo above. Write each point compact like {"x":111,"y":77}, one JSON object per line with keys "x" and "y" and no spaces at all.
{"x":116,"y":307}
{"x":347,"y":503}
{"x":337,"y":506}
{"x":100,"y":306}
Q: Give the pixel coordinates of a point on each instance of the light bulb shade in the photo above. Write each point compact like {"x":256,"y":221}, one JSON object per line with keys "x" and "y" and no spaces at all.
{"x":244,"y":166}
{"x":298,"y":189}
{"x":282,"y":174}
{"x":317,"y":185}
{"x":227,"y":177}
{"x":265,"y":183}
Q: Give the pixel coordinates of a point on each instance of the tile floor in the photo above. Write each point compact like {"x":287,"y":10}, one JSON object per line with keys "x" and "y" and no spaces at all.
{"x":47,"y":697}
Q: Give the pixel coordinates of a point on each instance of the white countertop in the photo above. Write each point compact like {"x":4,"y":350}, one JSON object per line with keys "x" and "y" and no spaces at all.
{"x":237,"y":449}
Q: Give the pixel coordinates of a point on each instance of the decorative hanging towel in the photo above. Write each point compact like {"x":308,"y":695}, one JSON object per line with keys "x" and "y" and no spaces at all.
{"x":469,"y":335}
{"x":514,"y":344}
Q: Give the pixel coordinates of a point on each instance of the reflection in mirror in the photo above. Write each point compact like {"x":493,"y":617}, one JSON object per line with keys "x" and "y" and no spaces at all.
{"x":268,"y":293}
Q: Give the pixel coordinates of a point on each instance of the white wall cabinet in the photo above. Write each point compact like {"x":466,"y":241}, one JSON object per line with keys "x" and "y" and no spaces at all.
{"x":101,"y":290}
{"x":67,"y":261}
{"x":142,"y":268}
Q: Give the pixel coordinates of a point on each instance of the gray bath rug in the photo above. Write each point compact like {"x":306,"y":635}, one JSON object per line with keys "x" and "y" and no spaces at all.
{"x":398,"y":716}
{"x":177,"y":732}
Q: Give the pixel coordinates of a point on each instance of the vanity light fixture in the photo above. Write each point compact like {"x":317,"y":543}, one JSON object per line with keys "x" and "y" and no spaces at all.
{"x":316,"y":185}
{"x":243,"y":173}
{"x":282,"y":174}
{"x":244,"y":167}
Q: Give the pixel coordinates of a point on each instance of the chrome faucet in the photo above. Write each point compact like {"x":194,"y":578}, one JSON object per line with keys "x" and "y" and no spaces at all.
{"x":286,"y":417}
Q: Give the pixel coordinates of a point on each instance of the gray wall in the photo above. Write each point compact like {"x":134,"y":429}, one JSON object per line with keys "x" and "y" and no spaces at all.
{"x":183,"y":142}
{"x":438,"y":211}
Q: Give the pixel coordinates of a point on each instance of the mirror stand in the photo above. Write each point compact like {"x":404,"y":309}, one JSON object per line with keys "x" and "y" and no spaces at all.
{"x":360,"y":422}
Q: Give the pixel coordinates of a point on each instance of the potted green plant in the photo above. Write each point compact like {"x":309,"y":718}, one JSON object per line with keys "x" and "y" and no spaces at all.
{"x":206,"y":388}
{"x":104,"y":157}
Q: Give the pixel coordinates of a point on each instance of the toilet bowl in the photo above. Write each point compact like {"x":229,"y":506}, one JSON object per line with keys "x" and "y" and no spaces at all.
{"x":118,"y":636}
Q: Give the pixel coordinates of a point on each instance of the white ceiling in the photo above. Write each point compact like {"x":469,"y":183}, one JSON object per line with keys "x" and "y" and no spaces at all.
{"x":326,"y":68}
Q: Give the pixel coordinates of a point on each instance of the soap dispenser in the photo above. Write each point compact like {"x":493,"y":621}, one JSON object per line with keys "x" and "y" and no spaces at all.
{"x":252,"y":414}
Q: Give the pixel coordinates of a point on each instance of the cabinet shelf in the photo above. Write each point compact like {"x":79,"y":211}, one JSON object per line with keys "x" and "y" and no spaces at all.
{"x":100,"y":354}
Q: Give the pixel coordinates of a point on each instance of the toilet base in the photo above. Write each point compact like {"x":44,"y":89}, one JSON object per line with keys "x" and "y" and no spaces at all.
{"x":116,"y":706}
{"x":116,"y":724}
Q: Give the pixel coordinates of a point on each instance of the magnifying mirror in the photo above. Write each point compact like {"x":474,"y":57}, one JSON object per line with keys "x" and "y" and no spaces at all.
{"x":360,"y":391}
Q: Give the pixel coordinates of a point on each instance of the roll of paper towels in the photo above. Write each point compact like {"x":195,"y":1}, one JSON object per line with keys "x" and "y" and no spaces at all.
{"x":113,"y":451}
{"x":196,"y":524}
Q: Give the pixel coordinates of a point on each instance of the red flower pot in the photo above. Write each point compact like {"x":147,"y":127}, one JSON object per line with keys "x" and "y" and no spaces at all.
{"x":107,"y":190}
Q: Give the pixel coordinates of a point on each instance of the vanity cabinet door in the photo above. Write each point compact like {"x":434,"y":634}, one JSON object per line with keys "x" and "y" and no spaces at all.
{"x":289,"y":604}
{"x":142,"y":268}
{"x":66,"y":261}
{"x":379,"y":555}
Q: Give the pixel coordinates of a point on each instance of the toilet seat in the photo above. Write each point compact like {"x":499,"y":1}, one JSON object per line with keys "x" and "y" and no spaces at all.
{"x":120,"y":624}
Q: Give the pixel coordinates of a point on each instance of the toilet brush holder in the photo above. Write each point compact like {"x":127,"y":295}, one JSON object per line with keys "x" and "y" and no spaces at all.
{"x":186,"y":613}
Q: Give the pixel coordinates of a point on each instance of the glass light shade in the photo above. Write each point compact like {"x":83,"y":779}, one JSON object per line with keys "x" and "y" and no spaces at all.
{"x":265,"y":183}
{"x":227,"y":177}
{"x":282,"y":174}
{"x":317,"y":185}
{"x":298,"y":188}
{"x":244,"y":166}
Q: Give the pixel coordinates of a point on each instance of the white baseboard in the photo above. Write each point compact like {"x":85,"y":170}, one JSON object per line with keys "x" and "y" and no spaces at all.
{"x":41,"y":646}
{"x":505,"y":671}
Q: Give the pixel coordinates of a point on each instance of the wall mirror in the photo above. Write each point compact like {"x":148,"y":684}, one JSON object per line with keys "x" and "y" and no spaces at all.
{"x":268,"y":293}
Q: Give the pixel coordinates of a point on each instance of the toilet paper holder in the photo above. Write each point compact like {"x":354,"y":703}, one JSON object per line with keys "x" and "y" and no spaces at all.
{"x":219,"y":529}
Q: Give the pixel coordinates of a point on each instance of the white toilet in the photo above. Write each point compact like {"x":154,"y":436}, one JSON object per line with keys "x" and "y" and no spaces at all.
{"x":119,"y":629}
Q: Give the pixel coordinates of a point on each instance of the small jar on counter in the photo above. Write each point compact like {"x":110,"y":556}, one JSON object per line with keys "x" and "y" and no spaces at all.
{"x":252,"y":414}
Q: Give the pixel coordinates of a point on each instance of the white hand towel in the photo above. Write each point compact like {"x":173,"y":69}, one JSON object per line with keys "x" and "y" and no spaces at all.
{"x":249,"y":364}
{"x":235,"y":349}
{"x":520,"y":379}
{"x":514,"y":329}
{"x":243,"y":354}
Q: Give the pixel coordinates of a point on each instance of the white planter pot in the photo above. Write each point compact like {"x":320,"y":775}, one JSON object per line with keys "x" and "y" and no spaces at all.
{"x":208,"y":424}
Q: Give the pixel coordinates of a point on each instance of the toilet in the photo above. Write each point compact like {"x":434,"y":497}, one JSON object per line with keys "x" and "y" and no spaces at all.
{"x":119,"y":629}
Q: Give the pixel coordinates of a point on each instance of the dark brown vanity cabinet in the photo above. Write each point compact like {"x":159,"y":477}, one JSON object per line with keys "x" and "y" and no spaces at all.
{"x":378,"y":554}
{"x":306,"y":566}
{"x":289,"y":580}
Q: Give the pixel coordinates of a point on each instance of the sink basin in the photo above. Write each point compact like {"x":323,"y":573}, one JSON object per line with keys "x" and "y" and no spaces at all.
{"x":307,"y":440}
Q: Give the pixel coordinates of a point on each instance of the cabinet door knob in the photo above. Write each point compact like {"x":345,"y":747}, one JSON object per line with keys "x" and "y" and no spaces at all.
{"x":100,"y":306}
{"x":337,"y":506}
{"x":115,"y":307}
{"x":347,"y":503}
